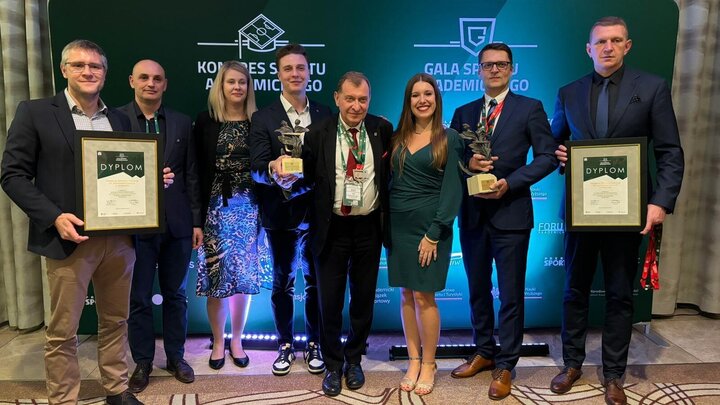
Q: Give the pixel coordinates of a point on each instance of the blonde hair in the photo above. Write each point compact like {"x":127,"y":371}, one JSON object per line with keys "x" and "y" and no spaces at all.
{"x":216,"y":97}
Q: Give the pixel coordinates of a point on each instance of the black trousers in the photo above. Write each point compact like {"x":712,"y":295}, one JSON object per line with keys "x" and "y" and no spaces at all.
{"x":619,"y":254}
{"x":480,"y":246}
{"x":351,"y":253}
{"x":171,"y":256}
{"x":291,"y":252}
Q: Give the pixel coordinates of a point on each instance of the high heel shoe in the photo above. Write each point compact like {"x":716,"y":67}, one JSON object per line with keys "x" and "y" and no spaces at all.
{"x":407,"y":384}
{"x":424,"y":387}
{"x":216,"y":364}
{"x":240,"y":361}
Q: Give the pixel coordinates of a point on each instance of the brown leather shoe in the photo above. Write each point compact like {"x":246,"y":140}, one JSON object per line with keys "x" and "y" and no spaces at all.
{"x":564,"y":381}
{"x":614,"y":393}
{"x":500,"y":385}
{"x":472,"y":366}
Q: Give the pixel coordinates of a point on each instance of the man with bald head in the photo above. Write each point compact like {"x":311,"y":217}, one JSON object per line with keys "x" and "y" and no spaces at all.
{"x":168,"y":252}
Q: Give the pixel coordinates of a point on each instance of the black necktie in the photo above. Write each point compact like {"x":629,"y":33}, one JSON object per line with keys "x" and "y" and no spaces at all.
{"x":601,"y":118}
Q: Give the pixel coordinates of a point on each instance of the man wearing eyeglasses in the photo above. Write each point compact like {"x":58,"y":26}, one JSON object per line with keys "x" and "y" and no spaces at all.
{"x":38,"y":174}
{"x":496,"y":225}
{"x":168,"y":252}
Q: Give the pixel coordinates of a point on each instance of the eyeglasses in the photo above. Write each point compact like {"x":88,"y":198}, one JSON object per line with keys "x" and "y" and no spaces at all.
{"x":79,"y":67}
{"x":499,"y":65}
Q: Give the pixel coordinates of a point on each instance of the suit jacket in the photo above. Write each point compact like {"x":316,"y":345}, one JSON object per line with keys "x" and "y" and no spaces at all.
{"x":319,"y":164}
{"x":206,"y":132}
{"x":521,"y":125}
{"x":182,"y":199}
{"x":277,"y":212}
{"x":38,"y":168}
{"x":644,"y":108}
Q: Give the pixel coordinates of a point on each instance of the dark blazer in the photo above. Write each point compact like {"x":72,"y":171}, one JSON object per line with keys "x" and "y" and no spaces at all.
{"x":277,"y":212}
{"x":38,"y":168}
{"x":521,"y":125}
{"x":644,"y":108}
{"x":182,"y":199}
{"x":206,"y":132}
{"x":319,"y":165}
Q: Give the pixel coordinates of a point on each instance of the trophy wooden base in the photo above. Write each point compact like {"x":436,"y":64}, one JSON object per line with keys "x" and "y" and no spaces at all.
{"x":292,"y":165}
{"x":480,"y":183}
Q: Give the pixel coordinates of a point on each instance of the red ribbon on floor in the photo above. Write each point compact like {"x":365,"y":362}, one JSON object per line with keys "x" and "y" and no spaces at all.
{"x":650,"y":276}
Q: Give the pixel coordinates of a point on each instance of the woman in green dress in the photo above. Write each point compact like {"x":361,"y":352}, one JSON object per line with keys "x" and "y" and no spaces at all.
{"x":425,"y":196}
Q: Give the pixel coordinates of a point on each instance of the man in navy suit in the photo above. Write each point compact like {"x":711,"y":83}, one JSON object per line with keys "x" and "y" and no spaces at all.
{"x":496,"y":226}
{"x":38,"y":174}
{"x":285,"y":219}
{"x":612,"y":102}
{"x":168,"y":252}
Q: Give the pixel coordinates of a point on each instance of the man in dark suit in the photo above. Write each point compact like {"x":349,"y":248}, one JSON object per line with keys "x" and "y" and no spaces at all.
{"x":285,"y":219}
{"x":168,"y":252}
{"x":496,"y":226}
{"x":38,"y":174}
{"x":346,"y":161}
{"x":612,"y":102}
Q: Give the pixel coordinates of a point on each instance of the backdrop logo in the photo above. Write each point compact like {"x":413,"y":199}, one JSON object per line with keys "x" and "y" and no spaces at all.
{"x":261,"y":34}
{"x":475,"y":33}
{"x":554,"y":261}
{"x":551,"y":227}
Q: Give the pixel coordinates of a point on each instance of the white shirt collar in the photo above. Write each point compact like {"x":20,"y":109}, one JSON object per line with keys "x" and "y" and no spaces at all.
{"x":500,"y":98}
{"x":102,"y":108}
{"x":346,"y":126}
{"x":290,"y":109}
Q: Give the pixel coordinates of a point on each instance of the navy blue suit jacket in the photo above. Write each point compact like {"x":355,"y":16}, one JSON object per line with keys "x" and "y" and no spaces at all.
{"x":277,"y":212}
{"x":182,"y":198}
{"x":644,"y":108}
{"x":521,"y":125}
{"x":38,"y":168}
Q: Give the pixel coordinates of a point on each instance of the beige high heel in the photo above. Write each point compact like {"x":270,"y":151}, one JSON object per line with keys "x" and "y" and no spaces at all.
{"x":406,"y":384}
{"x":423,"y":387}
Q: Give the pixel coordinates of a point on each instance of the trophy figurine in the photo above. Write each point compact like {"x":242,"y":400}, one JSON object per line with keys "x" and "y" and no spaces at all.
{"x":291,"y":138}
{"x":478,"y":183}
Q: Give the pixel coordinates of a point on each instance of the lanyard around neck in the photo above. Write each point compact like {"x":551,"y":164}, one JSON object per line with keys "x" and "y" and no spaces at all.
{"x":155,"y":124}
{"x":358,"y":150}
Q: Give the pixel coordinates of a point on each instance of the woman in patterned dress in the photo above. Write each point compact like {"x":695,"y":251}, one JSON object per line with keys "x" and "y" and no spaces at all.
{"x":425,"y":196}
{"x":232,"y":260}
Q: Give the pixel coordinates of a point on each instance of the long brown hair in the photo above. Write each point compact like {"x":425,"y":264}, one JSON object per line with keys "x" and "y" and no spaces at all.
{"x":406,"y":127}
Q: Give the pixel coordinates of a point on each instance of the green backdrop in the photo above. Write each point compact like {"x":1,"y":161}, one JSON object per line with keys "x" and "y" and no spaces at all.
{"x":389,"y":41}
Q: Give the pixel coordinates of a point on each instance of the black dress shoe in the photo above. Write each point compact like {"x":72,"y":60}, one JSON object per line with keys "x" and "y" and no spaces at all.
{"x":126,"y":398}
{"x":181,"y":370}
{"x":331,"y":384}
{"x":240,"y":361}
{"x":216,"y":364}
{"x":140,"y":377}
{"x":354,"y":376}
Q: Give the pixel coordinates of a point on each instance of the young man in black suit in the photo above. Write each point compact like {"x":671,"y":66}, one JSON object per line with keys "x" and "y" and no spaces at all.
{"x":168,"y":252}
{"x":346,"y":162}
{"x":614,"y":101}
{"x":285,"y":220}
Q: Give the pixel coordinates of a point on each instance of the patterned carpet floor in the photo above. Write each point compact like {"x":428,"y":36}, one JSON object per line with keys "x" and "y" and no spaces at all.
{"x":652,"y":384}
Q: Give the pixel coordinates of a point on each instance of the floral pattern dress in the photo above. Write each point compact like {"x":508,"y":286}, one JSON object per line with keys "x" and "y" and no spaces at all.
{"x":235,"y":256}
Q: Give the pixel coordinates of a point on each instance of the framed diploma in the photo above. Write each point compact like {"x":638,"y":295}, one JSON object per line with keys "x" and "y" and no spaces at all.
{"x":606,"y":185}
{"x":118,"y":177}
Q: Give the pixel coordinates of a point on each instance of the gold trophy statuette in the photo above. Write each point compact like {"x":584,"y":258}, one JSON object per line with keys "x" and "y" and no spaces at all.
{"x":291,"y":138}
{"x":478,"y":183}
